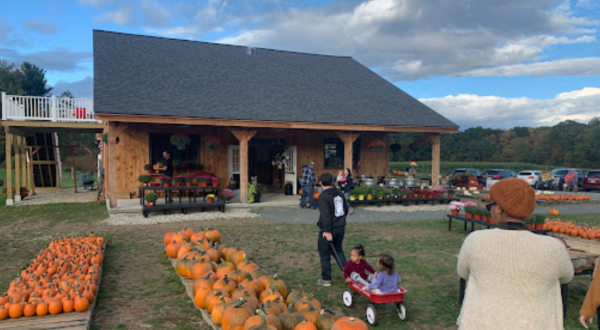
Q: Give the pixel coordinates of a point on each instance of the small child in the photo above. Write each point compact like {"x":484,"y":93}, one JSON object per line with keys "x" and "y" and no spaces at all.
{"x":356,"y":266}
{"x":340,"y":176}
{"x":387,"y":279}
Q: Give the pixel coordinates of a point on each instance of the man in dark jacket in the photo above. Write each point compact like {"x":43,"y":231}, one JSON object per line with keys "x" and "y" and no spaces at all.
{"x":332,"y":224}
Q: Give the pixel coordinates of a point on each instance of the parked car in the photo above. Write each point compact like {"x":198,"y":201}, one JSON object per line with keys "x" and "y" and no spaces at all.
{"x":534,"y":178}
{"x":472,"y":171}
{"x":498,"y":174}
{"x":591,"y":180}
{"x":559,"y":175}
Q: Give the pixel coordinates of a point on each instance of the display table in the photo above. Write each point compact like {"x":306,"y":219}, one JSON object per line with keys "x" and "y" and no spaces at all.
{"x":183,"y":203}
{"x":403,"y":201}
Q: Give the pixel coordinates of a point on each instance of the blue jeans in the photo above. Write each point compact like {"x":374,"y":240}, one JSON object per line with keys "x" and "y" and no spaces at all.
{"x":326,"y":251}
{"x":347,"y":195}
{"x":308,"y":190}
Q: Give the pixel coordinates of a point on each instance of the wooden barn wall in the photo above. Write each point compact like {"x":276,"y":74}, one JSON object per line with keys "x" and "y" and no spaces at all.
{"x":134,"y":139}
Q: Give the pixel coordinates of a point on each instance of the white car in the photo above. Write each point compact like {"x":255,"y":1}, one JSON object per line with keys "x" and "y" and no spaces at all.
{"x":534,"y":178}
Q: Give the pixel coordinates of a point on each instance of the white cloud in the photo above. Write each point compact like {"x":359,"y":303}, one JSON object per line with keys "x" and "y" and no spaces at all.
{"x":97,"y":3}
{"x":155,"y":12}
{"x":499,"y":112}
{"x":121,"y":17}
{"x":81,"y":89}
{"x":41,"y":26}
{"x":589,"y":66}
{"x":5,"y":29}
{"x":54,"y":60}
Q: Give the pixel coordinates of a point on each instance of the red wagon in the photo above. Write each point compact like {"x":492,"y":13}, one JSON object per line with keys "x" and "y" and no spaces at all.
{"x":377,"y":299}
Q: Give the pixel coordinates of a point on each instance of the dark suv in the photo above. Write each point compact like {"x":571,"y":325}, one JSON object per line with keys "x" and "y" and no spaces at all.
{"x":460,"y":171}
{"x":498,"y":174}
{"x":559,"y":175}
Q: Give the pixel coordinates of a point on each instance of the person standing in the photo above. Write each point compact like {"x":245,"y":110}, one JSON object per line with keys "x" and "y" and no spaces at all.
{"x":513,"y":275}
{"x":168,"y":168}
{"x":307,"y":183}
{"x":575,"y":181}
{"x":568,"y":180}
{"x":346,"y":186}
{"x":332,"y":226}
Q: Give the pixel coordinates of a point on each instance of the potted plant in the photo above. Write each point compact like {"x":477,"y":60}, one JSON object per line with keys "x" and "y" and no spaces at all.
{"x":188,"y":180}
{"x":477,"y":213}
{"x":232,"y":183}
{"x":166,"y":181}
{"x":395,"y":192}
{"x":214,"y":181}
{"x":370,"y":191}
{"x":455,"y":207}
{"x":361,"y":192}
{"x":211,"y":142}
{"x":353,"y":195}
{"x":388,"y":193}
{"x":404,"y":193}
{"x":202,"y":181}
{"x":148,"y":168}
{"x":151,"y":198}
{"x":450,"y":193}
{"x":180,"y":140}
{"x":539,"y":221}
{"x":378,"y":193}
{"x":226,"y":195}
{"x":530,"y":222}
{"x":210,"y":198}
{"x":144,"y":179}
{"x":411,"y":194}
{"x":178,"y":181}
{"x":377,"y":145}
{"x":252,"y":191}
{"x":440,"y":192}
{"x":469,"y":211}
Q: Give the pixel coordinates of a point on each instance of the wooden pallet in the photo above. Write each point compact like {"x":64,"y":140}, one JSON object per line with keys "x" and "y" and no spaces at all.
{"x":584,"y":253}
{"x":66,"y":321}
{"x":189,"y":289}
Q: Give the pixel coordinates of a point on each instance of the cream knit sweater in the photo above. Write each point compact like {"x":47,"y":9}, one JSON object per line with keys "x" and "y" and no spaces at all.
{"x":513,"y":280}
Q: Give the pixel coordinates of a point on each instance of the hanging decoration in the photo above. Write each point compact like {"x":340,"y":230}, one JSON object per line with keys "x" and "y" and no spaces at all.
{"x":377,"y":145}
{"x":281,"y":160}
{"x":395,"y":147}
{"x":180,"y":140}
{"x":211,"y":142}
{"x":415,"y":143}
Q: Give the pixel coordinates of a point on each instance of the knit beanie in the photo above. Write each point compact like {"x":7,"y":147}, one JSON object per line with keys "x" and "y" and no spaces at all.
{"x":515,"y":197}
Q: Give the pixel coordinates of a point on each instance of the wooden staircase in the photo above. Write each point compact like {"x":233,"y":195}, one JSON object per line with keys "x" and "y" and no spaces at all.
{"x":45,"y":164}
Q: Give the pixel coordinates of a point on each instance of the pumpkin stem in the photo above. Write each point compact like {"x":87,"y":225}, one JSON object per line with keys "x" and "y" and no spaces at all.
{"x":241,"y":302}
{"x":263,"y":318}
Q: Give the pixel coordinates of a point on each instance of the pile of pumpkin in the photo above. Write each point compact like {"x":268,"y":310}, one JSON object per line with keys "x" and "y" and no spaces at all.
{"x":568,"y":228}
{"x":562,"y":197}
{"x":62,"y":278}
{"x":238,"y":294}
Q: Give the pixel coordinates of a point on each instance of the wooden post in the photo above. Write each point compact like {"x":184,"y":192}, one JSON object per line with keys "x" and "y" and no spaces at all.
{"x":17,"y":147}
{"x":434,"y":138}
{"x":31,"y":179}
{"x":348,"y":138}
{"x":112,"y":163}
{"x":243,"y":135}
{"x":24,"y":163}
{"x":72,"y":154}
{"x":9,"y":176}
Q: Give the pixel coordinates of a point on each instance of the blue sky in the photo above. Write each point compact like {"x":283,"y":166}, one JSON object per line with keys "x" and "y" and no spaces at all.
{"x":478,"y":62}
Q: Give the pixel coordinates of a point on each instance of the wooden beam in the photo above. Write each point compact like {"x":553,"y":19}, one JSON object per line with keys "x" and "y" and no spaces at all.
{"x":243,"y":135}
{"x":24,"y":163}
{"x":348,"y":138}
{"x":50,"y":124}
{"x":270,"y":124}
{"x":73,"y":173}
{"x":9,"y":176}
{"x":112,"y":164}
{"x":17,"y":147}
{"x":435,"y":159}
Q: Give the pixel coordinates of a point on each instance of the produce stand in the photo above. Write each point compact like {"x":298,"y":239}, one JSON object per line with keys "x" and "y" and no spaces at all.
{"x":182,"y":204}
{"x":71,"y":321}
{"x":403,"y":201}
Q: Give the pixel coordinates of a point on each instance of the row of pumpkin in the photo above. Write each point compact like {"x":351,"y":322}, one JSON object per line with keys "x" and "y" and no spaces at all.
{"x":557,"y":197}
{"x":62,"y":278}
{"x":238,"y":294}
{"x":569,"y":228}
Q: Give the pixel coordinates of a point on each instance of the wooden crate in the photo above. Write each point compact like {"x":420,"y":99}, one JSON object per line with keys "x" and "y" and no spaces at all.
{"x":66,"y":321}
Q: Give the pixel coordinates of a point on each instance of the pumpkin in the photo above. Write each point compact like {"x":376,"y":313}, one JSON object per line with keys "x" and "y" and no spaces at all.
{"x":290,"y":319}
{"x":316,"y":195}
{"x":236,"y":257}
{"x":247,"y":266}
{"x":213,"y":298}
{"x":200,"y":296}
{"x":238,"y":276}
{"x":68,"y":305}
{"x":212,"y":235}
{"x":277,"y":284}
{"x":217,"y":312}
{"x":228,"y":251}
{"x":29,"y":310}
{"x":328,"y":318}
{"x":262,"y":319}
{"x":267,"y":295}
{"x":168,"y":238}
{"x":305,"y":326}
{"x":204,"y":281}
{"x":55,"y":307}
{"x":251,"y":284}
{"x":188,"y":232}
{"x":15,"y":311}
{"x":214,"y":254}
{"x":301,"y":304}
{"x":226,"y":284}
{"x":310,"y":313}
{"x":200,"y":269}
{"x":172,"y":249}
{"x":270,"y":308}
{"x":81,"y":304}
{"x":553,"y":212}
{"x":294,"y":296}
{"x":41,"y":309}
{"x":349,"y":323}
{"x":235,"y":317}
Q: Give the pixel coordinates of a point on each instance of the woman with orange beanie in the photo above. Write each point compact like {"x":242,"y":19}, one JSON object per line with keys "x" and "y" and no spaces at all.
{"x":513,"y":275}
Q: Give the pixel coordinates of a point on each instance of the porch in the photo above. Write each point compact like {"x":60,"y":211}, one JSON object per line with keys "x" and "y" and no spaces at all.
{"x":52,"y":109}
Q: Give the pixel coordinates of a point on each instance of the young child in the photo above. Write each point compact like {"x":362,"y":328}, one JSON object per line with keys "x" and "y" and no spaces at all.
{"x":387,"y":279}
{"x":356,"y":267}
{"x":340,"y":176}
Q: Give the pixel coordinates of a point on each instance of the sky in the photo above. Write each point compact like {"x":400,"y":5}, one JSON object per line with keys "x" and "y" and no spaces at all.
{"x":490,"y":63}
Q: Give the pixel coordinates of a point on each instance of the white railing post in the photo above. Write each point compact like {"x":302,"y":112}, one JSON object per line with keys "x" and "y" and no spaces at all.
{"x":4,"y":106}
{"x":53,"y":108}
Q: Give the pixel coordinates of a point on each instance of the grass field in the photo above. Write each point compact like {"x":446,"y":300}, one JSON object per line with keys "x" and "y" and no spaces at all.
{"x":140,"y":289}
{"x":67,"y":179}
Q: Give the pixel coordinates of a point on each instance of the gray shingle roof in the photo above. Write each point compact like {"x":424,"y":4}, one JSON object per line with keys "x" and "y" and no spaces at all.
{"x":145,"y":75}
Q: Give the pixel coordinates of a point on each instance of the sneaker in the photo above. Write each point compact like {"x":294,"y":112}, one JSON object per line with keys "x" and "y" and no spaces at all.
{"x":350,"y":210}
{"x":323,"y":282}
{"x":313,"y":208}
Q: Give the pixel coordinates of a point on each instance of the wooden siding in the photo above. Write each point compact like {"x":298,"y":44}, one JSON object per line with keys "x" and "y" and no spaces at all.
{"x":133,"y":151}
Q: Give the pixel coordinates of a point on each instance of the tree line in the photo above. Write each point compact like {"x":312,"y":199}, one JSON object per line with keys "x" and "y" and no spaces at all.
{"x":567,"y":144}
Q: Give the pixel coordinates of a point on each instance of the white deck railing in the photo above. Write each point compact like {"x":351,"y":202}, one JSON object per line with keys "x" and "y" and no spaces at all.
{"x":56,"y":109}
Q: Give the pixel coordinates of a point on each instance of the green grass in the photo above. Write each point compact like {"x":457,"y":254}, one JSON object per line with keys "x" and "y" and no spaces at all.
{"x":140,"y":289}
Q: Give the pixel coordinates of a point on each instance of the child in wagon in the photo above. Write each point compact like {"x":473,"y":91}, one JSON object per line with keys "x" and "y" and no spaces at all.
{"x":387,"y":279}
{"x":355,"y":269}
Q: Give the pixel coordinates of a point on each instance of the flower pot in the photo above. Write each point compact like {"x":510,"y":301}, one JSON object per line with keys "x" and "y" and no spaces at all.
{"x":440,"y":194}
{"x":144,"y":185}
{"x":352,"y":198}
{"x":411,"y":195}
{"x":455,"y":212}
{"x":469,"y":215}
{"x":210,"y":200}
{"x":166,"y":185}
{"x":369,"y":197}
{"x":188,"y":184}
{"x":361,"y":197}
{"x":484,"y":218}
{"x":215,"y":184}
{"x":150,"y":203}
{"x":531,"y":227}
{"x":539,"y":226}
{"x":450,"y":195}
{"x":177,"y":184}
{"x":149,"y":171}
{"x":477,"y":216}
{"x":203,"y":184}
{"x":431,"y":196}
